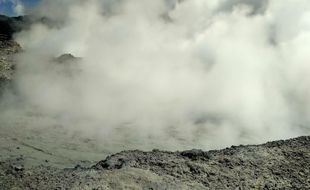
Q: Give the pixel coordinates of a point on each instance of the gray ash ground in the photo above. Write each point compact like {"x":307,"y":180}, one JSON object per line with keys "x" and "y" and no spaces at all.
{"x":274,"y":165}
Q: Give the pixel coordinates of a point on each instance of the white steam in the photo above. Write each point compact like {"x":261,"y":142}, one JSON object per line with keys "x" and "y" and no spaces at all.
{"x":190,"y":73}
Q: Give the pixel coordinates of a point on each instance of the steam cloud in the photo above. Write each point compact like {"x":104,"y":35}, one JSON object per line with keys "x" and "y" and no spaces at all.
{"x":171,"y":73}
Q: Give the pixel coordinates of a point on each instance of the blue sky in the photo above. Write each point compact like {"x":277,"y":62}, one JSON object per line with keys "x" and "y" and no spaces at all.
{"x":7,"y":6}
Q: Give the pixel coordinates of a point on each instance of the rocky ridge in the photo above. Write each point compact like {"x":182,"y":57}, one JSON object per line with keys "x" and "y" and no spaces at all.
{"x":274,"y":165}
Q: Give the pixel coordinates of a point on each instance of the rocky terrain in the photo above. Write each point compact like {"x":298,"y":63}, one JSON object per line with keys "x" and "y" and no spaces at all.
{"x":274,"y":165}
{"x":8,"y":47}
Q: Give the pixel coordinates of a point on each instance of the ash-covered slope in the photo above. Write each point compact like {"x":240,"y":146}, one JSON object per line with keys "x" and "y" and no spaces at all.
{"x":274,"y":165}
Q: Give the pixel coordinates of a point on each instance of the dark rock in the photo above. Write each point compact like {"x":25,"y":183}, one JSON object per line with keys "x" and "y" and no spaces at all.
{"x":66,"y":58}
{"x":10,"y":25}
{"x":18,"y":167}
{"x":195,"y":154}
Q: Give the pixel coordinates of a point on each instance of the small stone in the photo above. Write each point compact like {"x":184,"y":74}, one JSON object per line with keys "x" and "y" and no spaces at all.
{"x":18,"y":168}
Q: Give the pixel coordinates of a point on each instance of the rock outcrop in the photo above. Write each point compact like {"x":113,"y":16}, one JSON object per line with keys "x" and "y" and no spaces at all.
{"x":8,"y":47}
{"x":10,"y":25}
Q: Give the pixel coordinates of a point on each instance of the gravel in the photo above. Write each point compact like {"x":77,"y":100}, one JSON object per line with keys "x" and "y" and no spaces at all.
{"x":275,"y":165}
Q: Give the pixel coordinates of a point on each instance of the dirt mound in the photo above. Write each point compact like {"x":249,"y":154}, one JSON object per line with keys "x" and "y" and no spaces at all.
{"x":274,"y":165}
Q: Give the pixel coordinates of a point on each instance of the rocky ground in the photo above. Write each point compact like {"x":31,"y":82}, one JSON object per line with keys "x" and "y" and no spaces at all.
{"x":274,"y":165}
{"x":8,"y":48}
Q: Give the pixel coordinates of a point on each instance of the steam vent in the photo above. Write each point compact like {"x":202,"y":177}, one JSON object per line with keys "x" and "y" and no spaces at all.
{"x":154,"y":95}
